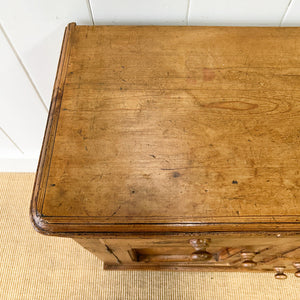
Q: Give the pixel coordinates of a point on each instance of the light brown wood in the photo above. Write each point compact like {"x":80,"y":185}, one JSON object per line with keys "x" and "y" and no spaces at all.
{"x":100,"y":249}
{"x":280,"y":272}
{"x":227,"y":251}
{"x":248,"y":261}
{"x":297,"y":266}
{"x":164,"y":132}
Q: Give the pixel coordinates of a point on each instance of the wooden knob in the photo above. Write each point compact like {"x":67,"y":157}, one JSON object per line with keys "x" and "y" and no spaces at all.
{"x":248,"y":259}
{"x":280,"y":273}
{"x":297,"y":266}
{"x":200,"y":246}
{"x":201,"y":255}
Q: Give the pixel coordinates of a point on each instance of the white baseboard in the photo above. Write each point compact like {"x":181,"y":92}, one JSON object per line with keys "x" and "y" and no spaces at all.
{"x":18,"y":164}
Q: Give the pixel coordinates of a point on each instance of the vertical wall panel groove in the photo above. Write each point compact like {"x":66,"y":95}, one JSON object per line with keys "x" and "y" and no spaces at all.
{"x":23,"y":66}
{"x":11,"y":140}
{"x":187,"y":12}
{"x":88,"y":3}
{"x":286,"y":12}
{"x":292,"y":14}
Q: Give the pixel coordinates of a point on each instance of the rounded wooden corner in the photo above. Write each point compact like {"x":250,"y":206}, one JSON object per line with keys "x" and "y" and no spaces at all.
{"x":38,"y":223}
{"x":71,"y":25}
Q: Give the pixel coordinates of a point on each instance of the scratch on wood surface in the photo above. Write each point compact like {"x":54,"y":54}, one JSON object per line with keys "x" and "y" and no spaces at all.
{"x":116,"y":211}
{"x":111,"y":252}
{"x":183,"y":168}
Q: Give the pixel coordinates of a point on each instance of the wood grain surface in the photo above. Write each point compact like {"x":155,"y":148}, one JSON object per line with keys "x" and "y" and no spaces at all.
{"x":172,"y":129}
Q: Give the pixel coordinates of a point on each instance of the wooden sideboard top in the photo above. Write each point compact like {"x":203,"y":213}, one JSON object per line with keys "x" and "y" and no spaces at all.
{"x":172,"y":129}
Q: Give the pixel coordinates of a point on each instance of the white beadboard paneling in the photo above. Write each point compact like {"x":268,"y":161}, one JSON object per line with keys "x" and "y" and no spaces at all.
{"x":35,"y":28}
{"x":292,"y":16}
{"x":237,"y":12}
{"x":12,"y":159}
{"x":8,"y":148}
{"x":140,"y":12}
{"x":22,"y":115}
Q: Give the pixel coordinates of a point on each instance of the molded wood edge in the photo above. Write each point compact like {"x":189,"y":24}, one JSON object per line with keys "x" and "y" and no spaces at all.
{"x":38,"y":223}
{"x":44,"y":226}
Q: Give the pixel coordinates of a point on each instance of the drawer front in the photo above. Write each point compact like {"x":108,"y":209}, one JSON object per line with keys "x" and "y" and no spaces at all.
{"x":192,"y":251}
{"x":234,"y":252}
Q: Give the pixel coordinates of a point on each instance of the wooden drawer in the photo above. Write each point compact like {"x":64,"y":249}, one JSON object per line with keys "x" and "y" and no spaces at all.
{"x":220,"y":252}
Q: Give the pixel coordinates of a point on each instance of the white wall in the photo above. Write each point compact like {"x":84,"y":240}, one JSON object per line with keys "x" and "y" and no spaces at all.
{"x":31,"y":33}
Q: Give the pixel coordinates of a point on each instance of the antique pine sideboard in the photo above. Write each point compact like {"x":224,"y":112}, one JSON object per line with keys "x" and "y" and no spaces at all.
{"x":175,"y":148}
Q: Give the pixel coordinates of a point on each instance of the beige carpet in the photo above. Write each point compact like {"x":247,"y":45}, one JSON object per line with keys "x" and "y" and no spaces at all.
{"x":33,"y":266}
